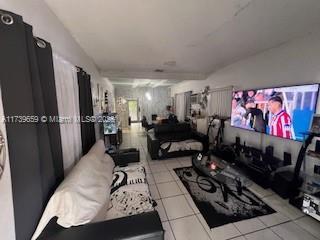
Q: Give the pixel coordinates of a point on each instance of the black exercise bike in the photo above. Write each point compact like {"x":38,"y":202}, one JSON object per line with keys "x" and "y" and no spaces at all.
{"x":220,"y":149}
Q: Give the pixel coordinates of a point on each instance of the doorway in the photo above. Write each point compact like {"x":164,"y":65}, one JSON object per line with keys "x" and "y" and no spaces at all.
{"x":133,"y":110}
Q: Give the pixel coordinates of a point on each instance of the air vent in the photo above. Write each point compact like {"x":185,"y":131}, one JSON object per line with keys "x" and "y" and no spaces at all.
{"x":170,"y":63}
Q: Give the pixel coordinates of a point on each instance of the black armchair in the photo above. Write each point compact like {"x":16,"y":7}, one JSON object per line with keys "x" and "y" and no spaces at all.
{"x":145,"y":124}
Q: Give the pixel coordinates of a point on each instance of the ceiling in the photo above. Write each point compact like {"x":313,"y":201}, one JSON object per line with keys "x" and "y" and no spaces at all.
{"x":181,"y":39}
{"x":134,"y":83}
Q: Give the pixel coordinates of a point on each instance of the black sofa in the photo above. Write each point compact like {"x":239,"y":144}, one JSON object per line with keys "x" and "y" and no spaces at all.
{"x":145,"y":226}
{"x":163,"y":133}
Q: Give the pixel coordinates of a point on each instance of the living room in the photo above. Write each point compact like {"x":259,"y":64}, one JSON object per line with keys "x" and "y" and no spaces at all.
{"x":160,"y":119}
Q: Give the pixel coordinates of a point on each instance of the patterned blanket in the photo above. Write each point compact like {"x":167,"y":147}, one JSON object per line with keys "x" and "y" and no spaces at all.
{"x":130,"y":193}
{"x":189,"y":144}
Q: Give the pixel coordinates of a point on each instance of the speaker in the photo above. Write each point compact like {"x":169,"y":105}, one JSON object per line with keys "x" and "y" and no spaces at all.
{"x":282,"y":184}
{"x":237,"y":146}
{"x":269,"y":151}
{"x":317,"y":150}
{"x":286,"y":159}
{"x":256,"y":153}
{"x":237,"y":141}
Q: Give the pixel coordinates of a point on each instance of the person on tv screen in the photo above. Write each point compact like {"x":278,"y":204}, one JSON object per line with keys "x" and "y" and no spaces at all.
{"x":257,"y":121}
{"x":281,"y":125}
{"x":251,"y":93}
{"x":237,"y":113}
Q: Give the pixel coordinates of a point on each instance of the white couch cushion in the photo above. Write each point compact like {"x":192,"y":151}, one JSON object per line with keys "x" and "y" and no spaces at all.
{"x":83,"y":192}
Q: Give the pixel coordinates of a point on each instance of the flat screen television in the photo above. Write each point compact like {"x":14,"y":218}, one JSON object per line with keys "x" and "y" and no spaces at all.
{"x":110,"y":125}
{"x":284,"y":112}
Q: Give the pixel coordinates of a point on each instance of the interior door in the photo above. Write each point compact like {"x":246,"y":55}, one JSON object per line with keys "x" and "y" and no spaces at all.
{"x":133,"y":110}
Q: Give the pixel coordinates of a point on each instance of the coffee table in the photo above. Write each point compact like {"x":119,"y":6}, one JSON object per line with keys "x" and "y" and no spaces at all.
{"x":223,"y":173}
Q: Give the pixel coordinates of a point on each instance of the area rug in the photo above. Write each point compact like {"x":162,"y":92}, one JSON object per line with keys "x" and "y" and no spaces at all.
{"x":207,"y":195}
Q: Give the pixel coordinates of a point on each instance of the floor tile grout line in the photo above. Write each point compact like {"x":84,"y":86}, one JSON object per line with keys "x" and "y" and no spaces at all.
{"x":270,"y":228}
{"x":204,"y":227}
{"x":174,"y":236}
{"x":170,"y":182}
{"x":237,"y":229}
{"x":164,"y":209}
{"x":172,"y":196}
{"x":315,"y":236}
{"x":255,"y":231}
{"x":178,"y":217}
{"x":262,"y":222}
{"x":279,"y":223}
{"x":293,"y":221}
{"x":189,"y":204}
{"x":165,"y":182}
{"x":299,"y":218}
{"x":276,"y":232}
{"x":235,"y":237}
{"x":189,"y":215}
{"x":244,"y":236}
{"x":165,"y":212}
{"x":256,"y":218}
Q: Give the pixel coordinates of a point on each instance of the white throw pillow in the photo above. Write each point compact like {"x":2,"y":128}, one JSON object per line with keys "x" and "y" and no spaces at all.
{"x":83,"y":192}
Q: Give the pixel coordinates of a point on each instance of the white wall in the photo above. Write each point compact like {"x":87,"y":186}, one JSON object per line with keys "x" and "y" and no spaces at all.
{"x":47,"y":26}
{"x":7,"y":224}
{"x":295,"y":62}
{"x":157,"y":105}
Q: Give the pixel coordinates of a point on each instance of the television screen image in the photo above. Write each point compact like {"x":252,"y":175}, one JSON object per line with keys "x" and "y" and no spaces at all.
{"x":315,"y":126}
{"x":284,"y":112}
{"x":110,"y":125}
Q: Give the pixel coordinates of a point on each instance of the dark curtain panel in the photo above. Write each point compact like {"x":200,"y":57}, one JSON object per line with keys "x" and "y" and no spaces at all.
{"x":50,"y":105}
{"x":88,"y":137}
{"x":27,"y":86}
{"x":46,"y":160}
{"x":188,"y":103}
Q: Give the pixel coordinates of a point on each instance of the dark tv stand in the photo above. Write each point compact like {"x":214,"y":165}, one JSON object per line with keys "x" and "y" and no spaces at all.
{"x":257,"y":165}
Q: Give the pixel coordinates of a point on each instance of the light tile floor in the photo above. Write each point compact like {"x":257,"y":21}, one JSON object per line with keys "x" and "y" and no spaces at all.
{"x":182,"y":220}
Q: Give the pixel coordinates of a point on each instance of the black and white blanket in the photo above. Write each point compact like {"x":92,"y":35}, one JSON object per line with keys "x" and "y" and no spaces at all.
{"x":130,"y":193}
{"x":175,"y":146}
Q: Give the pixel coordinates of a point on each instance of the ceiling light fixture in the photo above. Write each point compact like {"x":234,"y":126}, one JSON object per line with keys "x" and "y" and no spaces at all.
{"x":148,"y":96}
{"x":170,"y":63}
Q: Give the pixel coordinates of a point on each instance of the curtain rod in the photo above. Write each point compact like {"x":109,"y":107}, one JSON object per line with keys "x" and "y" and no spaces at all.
{"x":217,"y":89}
{"x":221,"y":89}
